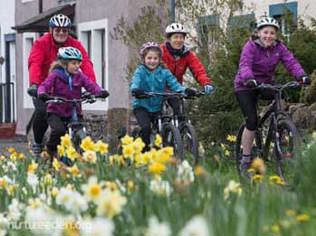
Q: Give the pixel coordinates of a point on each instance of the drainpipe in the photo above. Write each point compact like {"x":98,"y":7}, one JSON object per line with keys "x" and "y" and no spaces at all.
{"x":172,"y":11}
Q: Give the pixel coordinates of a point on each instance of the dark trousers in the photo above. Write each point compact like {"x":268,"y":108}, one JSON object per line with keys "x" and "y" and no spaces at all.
{"x":144,"y":119}
{"x":40,"y":120}
{"x":58,"y":127}
{"x":248,"y":100}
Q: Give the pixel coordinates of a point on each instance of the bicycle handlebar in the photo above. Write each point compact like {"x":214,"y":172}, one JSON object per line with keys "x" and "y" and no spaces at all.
{"x":174,"y":94}
{"x":83,"y":99}
{"x":279,"y":87}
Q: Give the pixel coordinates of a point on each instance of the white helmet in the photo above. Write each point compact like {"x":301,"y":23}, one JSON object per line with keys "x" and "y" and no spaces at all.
{"x":175,"y":28}
{"x":268,"y":21}
{"x":59,"y":20}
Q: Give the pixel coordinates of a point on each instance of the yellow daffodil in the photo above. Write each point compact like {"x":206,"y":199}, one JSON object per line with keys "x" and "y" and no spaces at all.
{"x":48,"y":179}
{"x":158,"y":140}
{"x":130,"y":186}
{"x":111,"y":204}
{"x":276,"y":180}
{"x":156,"y":168}
{"x":257,"y":178}
{"x":34,"y":203}
{"x":138,"y":145}
{"x":13,"y":156}
{"x":275,"y":228}
{"x":199,"y":171}
{"x":71,"y":153}
{"x":54,"y":192}
{"x":89,"y":156}
{"x":65,"y":141}
{"x":232,"y":187}
{"x":110,"y":185}
{"x":74,"y":170}
{"x":11,"y":150}
{"x":87,"y":144}
{"x":102,"y":147}
{"x":32,"y":167}
{"x":56,"y":164}
{"x":231,"y":138}
{"x":128,"y":150}
{"x":126,"y":140}
{"x":163,"y":157}
{"x":227,"y":153}
{"x":139,"y":160}
{"x":290,"y":212}
{"x":21,"y":156}
{"x":11,"y":189}
{"x":3,"y":183}
{"x":2,"y":158}
{"x":302,"y":217}
{"x":258,"y":166}
{"x":61,"y":150}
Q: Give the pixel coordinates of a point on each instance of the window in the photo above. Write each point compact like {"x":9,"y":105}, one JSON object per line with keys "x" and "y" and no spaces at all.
{"x":28,"y":39}
{"x":94,"y":36}
{"x":286,"y":14}
{"x":208,"y":27}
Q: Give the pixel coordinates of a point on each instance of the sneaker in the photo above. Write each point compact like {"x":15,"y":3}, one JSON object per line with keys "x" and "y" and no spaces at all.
{"x":37,"y":149}
{"x":245,"y":163}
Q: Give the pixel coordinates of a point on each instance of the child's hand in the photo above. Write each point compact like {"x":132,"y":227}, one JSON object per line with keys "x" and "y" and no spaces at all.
{"x":44,"y":97}
{"x":139,"y":93}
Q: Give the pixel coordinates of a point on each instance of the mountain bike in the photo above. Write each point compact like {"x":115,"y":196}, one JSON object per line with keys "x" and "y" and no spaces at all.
{"x":76,"y":127}
{"x":275,"y":127}
{"x":186,"y":128}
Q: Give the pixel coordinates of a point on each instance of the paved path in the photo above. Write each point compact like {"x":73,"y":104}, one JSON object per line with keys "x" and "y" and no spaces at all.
{"x":18,"y":142}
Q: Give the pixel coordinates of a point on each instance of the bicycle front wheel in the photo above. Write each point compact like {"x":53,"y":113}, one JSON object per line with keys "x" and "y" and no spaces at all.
{"x":79,"y":135}
{"x":287,"y":142}
{"x":171,"y":137}
{"x":190,"y":141}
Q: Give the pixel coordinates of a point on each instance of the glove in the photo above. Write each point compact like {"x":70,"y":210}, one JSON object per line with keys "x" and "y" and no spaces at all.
{"x":139,"y":93}
{"x":44,"y":97}
{"x":32,"y":91}
{"x":103,"y":94}
{"x":251,"y":83}
{"x":190,"y":92}
{"x":208,"y":89}
{"x":305,"y":80}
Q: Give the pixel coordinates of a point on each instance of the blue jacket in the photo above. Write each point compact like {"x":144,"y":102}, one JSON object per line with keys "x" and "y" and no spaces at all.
{"x":153,"y":81}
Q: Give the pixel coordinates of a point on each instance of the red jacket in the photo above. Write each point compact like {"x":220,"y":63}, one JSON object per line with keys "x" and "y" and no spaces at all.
{"x":180,"y":65}
{"x":44,"y":52}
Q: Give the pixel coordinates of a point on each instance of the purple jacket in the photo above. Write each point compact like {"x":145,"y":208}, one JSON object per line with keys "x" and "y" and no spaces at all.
{"x":56,"y":84}
{"x":260,"y":63}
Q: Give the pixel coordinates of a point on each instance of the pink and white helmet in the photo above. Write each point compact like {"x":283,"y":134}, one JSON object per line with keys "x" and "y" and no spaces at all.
{"x":148,"y":45}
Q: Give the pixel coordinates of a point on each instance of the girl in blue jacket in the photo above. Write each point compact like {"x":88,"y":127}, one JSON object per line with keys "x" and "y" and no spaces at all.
{"x":151,"y":76}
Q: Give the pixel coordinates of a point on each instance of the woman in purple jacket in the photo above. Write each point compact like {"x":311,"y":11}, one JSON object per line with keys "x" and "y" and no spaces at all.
{"x":65,"y":80}
{"x":258,"y":61}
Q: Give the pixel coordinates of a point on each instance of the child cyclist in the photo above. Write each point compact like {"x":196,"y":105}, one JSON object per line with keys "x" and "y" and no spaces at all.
{"x":258,"y":61}
{"x":65,"y":80}
{"x":151,"y":76}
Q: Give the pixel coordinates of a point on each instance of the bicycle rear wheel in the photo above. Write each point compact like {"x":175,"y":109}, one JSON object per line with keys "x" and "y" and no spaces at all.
{"x":287,"y":143}
{"x":256,"y":148}
{"x":190,"y":141}
{"x":171,"y":137}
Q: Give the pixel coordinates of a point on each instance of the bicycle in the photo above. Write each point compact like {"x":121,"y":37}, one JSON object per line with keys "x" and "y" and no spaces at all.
{"x":165,"y":126}
{"x":76,"y":128}
{"x":183,"y":123}
{"x":281,"y":131}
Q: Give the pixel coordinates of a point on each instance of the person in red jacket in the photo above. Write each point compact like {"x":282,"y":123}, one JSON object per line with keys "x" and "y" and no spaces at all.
{"x":178,"y":58}
{"x":42,"y":54}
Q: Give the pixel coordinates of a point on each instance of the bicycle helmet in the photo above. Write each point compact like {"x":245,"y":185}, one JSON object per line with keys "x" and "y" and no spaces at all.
{"x":268,"y":21}
{"x":59,"y":20}
{"x":147,"y":46}
{"x":175,"y":28}
{"x":69,"y":53}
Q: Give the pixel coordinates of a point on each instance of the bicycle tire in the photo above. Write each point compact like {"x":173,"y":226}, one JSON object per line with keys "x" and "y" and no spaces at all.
{"x":256,"y":149}
{"x":171,"y":137}
{"x":78,"y":136}
{"x":286,"y":144}
{"x":190,"y":141}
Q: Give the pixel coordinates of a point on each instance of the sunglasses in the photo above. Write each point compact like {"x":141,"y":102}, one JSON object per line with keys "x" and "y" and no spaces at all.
{"x":63,"y":30}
